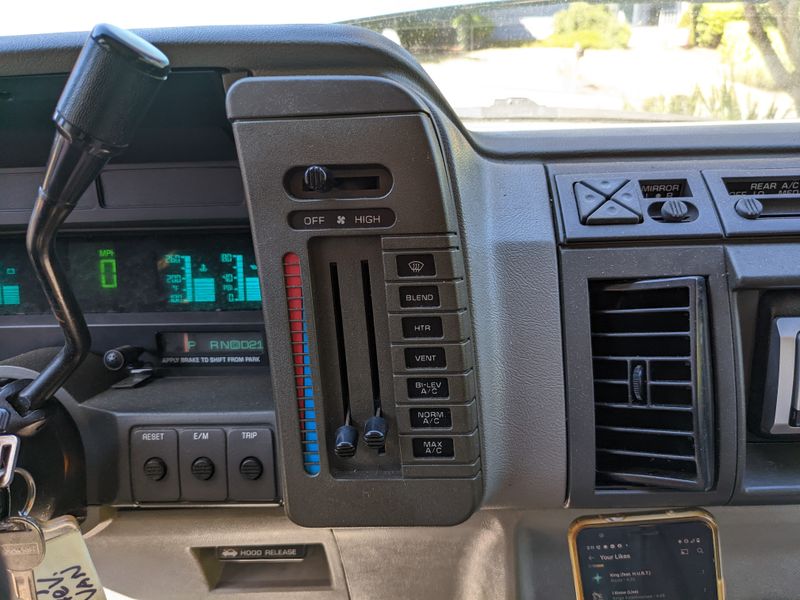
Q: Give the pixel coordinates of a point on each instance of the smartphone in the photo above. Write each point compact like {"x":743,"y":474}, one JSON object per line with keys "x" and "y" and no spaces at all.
{"x":671,"y":555}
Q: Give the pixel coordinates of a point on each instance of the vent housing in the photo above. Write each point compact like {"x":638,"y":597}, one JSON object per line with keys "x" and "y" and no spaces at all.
{"x":652,"y":384}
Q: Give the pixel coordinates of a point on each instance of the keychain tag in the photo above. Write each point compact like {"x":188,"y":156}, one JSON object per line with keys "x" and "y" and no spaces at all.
{"x":67,"y":572}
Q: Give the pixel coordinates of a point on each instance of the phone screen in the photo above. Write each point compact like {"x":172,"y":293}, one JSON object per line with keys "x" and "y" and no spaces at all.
{"x":666,"y":560}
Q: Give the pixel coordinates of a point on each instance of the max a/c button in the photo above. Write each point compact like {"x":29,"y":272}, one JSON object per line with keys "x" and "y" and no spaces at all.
{"x":428,"y":447}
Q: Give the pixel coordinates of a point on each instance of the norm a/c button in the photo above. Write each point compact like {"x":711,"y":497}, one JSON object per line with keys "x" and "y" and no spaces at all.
{"x":422,"y":327}
{"x":419,"y":296}
{"x":416,"y":265}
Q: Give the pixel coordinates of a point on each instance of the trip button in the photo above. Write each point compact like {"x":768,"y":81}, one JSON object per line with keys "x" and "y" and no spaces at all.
{"x":416,"y":265}
{"x":425,"y":358}
{"x":419,"y":296}
{"x":422,"y":327}
{"x":251,"y":464}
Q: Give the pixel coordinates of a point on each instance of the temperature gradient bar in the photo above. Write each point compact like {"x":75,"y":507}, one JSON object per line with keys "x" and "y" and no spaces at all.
{"x":304,"y":388}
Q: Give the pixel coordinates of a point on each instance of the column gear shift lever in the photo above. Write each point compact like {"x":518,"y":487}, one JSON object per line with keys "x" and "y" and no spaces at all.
{"x":111,"y":86}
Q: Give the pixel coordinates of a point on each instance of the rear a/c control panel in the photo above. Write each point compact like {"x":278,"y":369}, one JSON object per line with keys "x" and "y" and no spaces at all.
{"x":366,"y":303}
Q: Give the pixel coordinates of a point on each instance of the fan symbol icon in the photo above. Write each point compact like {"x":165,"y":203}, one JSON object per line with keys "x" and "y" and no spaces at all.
{"x":340,"y":220}
{"x":416,"y":266}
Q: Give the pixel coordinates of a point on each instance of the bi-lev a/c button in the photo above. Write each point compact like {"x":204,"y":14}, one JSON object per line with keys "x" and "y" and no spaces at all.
{"x":416,"y":265}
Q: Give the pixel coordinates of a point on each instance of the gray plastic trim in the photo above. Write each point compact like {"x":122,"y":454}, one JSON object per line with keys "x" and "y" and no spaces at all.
{"x":512,"y":276}
{"x":322,"y":96}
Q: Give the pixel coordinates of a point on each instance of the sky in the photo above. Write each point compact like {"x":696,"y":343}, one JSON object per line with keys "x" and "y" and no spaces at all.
{"x":48,"y":16}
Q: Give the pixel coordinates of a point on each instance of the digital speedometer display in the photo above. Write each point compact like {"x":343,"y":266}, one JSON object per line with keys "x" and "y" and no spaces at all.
{"x":137,"y":273}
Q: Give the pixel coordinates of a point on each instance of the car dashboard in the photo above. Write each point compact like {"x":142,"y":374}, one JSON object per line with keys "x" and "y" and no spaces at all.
{"x":400,"y":353}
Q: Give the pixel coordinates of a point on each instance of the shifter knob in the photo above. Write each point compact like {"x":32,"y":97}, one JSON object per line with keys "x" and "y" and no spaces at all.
{"x":110,"y":88}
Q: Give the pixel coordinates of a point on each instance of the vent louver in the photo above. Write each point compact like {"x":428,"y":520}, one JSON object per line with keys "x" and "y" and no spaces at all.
{"x":652,"y":384}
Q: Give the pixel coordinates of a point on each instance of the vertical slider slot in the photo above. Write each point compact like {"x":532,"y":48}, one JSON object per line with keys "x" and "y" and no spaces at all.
{"x":340,"y":347}
{"x":346,"y":435}
{"x":371,"y":343}
{"x":375,"y":427}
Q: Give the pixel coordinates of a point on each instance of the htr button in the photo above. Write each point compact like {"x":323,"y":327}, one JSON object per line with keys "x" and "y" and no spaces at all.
{"x":422,"y":327}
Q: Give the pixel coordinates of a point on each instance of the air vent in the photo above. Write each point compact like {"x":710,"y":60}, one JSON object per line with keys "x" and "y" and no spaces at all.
{"x":652,"y":384}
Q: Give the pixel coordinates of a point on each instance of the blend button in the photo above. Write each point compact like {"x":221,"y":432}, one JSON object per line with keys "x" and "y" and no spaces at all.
{"x":422,"y":327}
{"x":416,"y":265}
{"x":419,"y":296}
{"x":425,"y":358}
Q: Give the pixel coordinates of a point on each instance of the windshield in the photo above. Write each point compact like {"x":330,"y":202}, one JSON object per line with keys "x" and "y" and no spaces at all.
{"x":517,"y":64}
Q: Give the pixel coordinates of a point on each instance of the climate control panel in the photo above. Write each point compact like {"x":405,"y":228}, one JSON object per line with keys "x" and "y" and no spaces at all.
{"x":430,"y":342}
{"x":370,"y":335}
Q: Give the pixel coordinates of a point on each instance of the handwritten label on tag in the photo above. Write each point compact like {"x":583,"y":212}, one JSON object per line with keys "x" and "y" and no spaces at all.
{"x":67,"y":572}
{"x":71,"y":583}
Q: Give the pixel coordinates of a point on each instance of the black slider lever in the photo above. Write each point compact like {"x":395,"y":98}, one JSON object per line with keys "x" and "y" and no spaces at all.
{"x":346,"y":439}
{"x":375,"y":431}
{"x":111,"y":86}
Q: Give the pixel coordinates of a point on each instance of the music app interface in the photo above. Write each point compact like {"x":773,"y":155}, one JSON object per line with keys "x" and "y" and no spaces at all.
{"x":655,"y":561}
